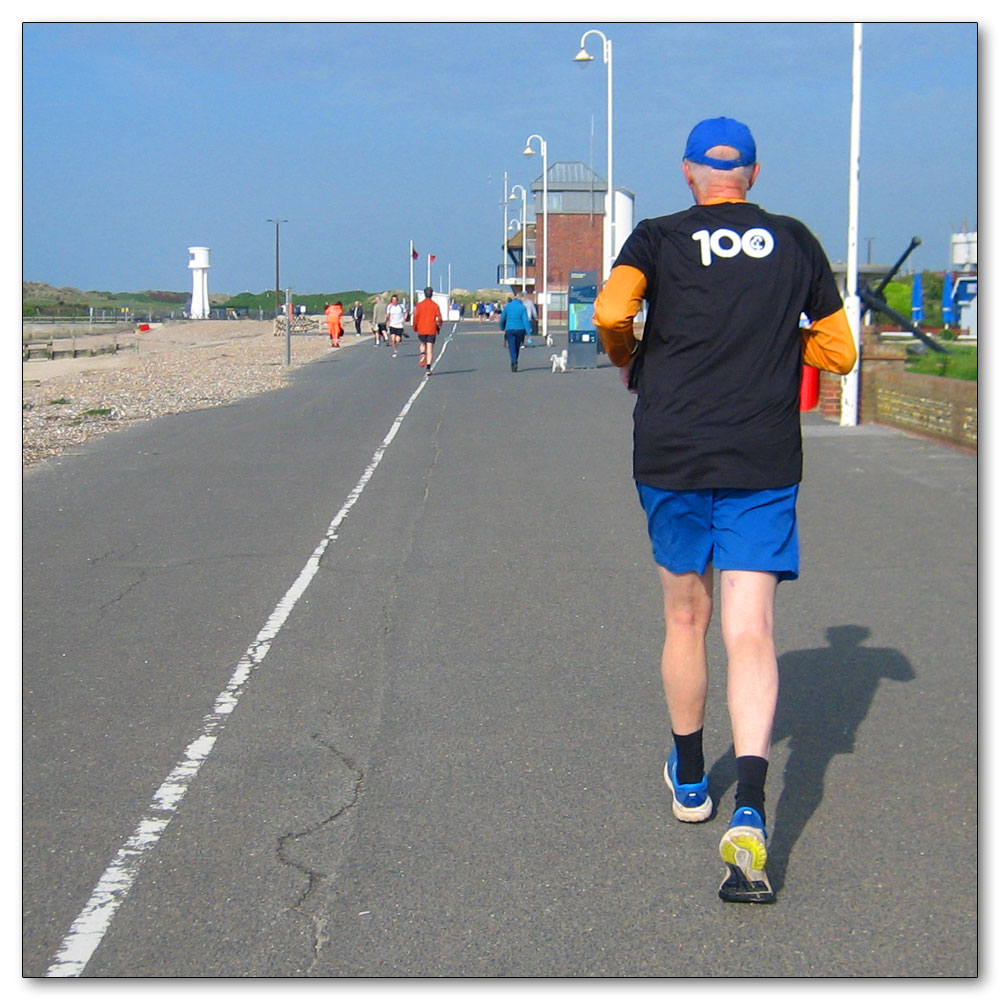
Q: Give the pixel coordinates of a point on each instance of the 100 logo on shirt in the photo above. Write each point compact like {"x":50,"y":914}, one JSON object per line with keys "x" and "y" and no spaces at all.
{"x":728,"y":243}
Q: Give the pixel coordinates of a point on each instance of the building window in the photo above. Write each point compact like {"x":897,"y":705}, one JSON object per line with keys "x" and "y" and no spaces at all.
{"x":558,"y":301}
{"x":571,"y":203}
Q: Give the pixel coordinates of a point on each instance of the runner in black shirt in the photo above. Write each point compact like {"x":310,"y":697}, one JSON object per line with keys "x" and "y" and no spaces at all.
{"x":717,"y":450}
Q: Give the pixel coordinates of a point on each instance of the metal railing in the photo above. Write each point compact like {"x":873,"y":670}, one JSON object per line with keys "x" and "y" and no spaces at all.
{"x":513,"y":276}
{"x":105,"y":318}
{"x":102,"y":318}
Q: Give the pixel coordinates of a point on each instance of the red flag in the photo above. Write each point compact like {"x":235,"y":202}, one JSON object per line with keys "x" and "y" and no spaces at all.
{"x":432,"y":258}
{"x":415,"y":254}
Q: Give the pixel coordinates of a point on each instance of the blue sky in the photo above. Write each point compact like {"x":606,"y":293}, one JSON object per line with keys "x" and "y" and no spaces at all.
{"x":141,"y":139}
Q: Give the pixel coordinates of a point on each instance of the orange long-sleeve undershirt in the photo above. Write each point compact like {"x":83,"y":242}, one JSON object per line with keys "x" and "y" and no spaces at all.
{"x":615,"y":309}
{"x":827,"y":343}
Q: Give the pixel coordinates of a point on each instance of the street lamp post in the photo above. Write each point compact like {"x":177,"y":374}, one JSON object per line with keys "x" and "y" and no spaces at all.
{"x":277,"y":272}
{"x":524,"y":232}
{"x":583,"y":57}
{"x":516,"y":226}
{"x":528,"y":151}
{"x":506,"y":227}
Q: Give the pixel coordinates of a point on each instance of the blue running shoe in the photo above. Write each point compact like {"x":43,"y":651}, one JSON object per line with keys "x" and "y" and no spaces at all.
{"x":691,"y":803}
{"x":744,"y":849}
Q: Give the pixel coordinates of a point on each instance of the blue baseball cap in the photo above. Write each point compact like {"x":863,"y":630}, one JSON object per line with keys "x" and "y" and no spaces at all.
{"x":721,"y":132}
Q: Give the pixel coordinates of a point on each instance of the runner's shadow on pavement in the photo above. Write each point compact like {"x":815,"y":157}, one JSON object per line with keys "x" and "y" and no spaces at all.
{"x":825,"y":695}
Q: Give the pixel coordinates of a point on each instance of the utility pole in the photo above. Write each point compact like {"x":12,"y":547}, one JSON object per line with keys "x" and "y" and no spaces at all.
{"x":277,"y":271}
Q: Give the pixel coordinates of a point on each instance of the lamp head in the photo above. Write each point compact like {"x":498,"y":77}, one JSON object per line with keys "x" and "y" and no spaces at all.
{"x":528,"y":151}
{"x":583,"y":56}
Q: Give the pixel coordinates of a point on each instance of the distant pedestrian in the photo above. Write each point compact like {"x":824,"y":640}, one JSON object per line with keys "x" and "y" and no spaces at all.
{"x":379,"y":321}
{"x":515,"y":324}
{"x":426,"y":323}
{"x":357,"y":314}
{"x":333,"y":316}
{"x":529,"y":308}
{"x":395,"y":318}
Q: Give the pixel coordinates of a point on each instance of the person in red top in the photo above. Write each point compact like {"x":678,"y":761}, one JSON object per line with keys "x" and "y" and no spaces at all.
{"x":333,"y":314}
{"x":426,"y":324}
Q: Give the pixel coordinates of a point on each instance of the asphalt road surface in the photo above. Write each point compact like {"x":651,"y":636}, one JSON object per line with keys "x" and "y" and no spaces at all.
{"x":360,"y":678}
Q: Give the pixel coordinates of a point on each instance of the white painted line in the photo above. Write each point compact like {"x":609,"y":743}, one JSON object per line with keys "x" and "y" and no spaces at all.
{"x":89,"y":928}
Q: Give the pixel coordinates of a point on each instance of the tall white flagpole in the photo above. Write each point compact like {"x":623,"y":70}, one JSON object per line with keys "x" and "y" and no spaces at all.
{"x":612,"y":235}
{"x":409,"y":304}
{"x":849,"y":383}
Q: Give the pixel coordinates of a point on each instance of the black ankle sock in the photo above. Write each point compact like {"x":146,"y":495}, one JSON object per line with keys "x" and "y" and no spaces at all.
{"x":690,"y":759}
{"x":751,"y":773}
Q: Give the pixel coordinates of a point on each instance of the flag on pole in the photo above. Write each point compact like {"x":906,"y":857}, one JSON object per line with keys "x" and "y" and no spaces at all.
{"x":948,"y":300}
{"x":414,"y":252}
{"x":917,"y":298}
{"x":432,"y":258}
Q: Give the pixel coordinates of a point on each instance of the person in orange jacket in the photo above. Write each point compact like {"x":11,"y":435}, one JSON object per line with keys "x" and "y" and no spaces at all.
{"x":426,"y":323}
{"x":333,"y":314}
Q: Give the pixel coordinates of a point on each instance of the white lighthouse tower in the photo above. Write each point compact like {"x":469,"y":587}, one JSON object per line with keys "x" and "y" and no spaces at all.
{"x":199,"y":265}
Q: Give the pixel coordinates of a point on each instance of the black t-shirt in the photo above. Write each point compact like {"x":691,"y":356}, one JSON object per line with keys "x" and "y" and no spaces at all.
{"x":721,"y":359}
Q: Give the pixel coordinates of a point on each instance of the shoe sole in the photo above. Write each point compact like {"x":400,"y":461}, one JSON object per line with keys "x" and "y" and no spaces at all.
{"x":686,"y":814}
{"x":744,"y":851}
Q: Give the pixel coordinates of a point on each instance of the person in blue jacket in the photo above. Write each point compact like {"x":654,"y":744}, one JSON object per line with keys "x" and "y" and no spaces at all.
{"x":515,"y":324}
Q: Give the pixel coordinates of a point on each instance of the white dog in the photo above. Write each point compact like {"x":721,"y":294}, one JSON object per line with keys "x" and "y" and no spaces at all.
{"x":559,"y":361}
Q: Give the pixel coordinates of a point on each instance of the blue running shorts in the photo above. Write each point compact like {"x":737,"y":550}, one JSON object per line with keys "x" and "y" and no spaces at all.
{"x":732,"y":529}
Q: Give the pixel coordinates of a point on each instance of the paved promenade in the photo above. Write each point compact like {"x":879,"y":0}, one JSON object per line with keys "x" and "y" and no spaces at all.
{"x":360,"y":679}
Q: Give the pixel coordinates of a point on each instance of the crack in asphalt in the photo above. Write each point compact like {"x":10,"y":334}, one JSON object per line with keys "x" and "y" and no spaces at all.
{"x":319,"y":922}
{"x":432,"y":468}
{"x":145,"y":572}
{"x":313,"y":876}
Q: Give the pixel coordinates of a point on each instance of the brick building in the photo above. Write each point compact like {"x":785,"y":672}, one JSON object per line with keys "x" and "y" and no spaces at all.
{"x":577,"y":232}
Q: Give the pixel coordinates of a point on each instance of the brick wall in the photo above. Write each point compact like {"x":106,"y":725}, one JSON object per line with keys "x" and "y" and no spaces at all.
{"x":876,"y":356}
{"x":946,"y":409}
{"x":829,"y":396}
{"x":575,"y":243}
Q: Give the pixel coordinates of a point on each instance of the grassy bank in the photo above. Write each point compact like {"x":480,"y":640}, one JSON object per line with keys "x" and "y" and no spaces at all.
{"x":961,"y":363}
